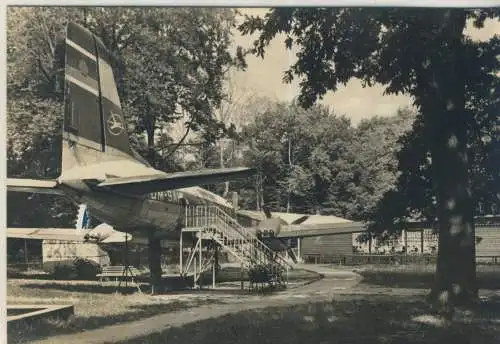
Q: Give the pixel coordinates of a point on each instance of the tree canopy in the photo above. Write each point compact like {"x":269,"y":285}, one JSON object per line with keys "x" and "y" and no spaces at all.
{"x":313,"y":160}
{"x":423,"y":53}
{"x":169,"y":63}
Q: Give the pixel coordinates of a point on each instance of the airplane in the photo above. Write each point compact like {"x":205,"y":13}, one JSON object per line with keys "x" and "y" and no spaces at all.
{"x":100,"y":168}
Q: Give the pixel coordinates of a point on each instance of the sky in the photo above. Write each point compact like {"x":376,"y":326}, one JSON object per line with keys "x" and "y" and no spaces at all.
{"x":264,"y":78}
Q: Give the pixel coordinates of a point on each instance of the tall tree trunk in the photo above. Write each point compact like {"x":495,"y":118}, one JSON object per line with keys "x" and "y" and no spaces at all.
{"x":289,"y":195}
{"x":455,"y":279}
{"x":151,"y":148}
{"x":154,"y":244}
{"x":226,"y":184}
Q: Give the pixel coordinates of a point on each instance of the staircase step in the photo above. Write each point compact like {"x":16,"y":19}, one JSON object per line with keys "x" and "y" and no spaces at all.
{"x":237,"y":240}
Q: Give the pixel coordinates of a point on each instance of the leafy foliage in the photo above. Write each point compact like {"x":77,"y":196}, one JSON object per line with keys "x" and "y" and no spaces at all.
{"x":374,"y":165}
{"x":168,"y":62}
{"x":336,"y":45}
{"x":313,"y":160}
{"x":423,"y":53}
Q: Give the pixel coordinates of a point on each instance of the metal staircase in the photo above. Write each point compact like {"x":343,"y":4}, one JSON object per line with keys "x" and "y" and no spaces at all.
{"x":264,"y":266}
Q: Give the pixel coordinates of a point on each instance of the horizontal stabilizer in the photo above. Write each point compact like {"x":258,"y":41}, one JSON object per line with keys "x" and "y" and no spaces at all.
{"x":177,"y":180}
{"x":63,"y":234}
{"x":33,"y":186}
{"x":319,"y":229}
{"x":100,"y":234}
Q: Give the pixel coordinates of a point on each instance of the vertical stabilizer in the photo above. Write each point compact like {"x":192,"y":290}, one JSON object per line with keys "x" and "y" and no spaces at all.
{"x":82,"y":220}
{"x":94,"y":127}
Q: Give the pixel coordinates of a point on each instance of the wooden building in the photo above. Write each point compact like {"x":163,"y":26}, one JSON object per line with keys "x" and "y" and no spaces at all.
{"x":339,"y":245}
{"x":308,"y":248}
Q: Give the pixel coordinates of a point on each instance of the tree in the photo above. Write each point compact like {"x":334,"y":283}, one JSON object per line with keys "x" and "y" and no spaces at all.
{"x":420,"y":52}
{"x":373,"y":156}
{"x":230,"y":113}
{"x":301,"y":161}
{"x":171,"y":65}
{"x":167,"y":62}
{"x":34,"y":96}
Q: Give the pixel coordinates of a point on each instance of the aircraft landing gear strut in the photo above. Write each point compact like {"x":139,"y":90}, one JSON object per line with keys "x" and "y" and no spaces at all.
{"x":154,"y":260}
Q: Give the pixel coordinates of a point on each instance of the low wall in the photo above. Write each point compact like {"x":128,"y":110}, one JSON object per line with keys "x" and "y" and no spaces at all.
{"x":55,"y":252}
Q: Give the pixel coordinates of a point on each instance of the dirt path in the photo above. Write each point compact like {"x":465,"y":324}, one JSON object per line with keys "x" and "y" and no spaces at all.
{"x":333,"y":282}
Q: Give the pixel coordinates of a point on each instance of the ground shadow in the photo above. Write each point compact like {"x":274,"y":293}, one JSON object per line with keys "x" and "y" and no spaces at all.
{"x":229,"y":278}
{"x":375,"y":319}
{"x":421,"y":279}
{"x":228,"y":289}
{"x":19,"y":333}
{"x":33,"y":276}
{"x":86,"y":288}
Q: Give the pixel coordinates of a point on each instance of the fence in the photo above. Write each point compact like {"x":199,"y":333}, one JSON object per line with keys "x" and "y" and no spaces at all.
{"x":379,"y":259}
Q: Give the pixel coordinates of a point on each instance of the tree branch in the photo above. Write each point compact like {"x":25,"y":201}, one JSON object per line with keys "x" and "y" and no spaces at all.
{"x":181,"y":140}
{"x":47,"y":33}
{"x":44,"y":71}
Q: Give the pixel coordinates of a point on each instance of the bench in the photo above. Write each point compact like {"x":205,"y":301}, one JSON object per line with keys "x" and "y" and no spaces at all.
{"x":119,"y":273}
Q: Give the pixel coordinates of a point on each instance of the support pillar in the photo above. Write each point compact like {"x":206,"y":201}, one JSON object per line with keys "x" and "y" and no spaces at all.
{"x":26,"y":260}
{"x":299,"y":253}
{"x":154,"y":258}
{"x":215,"y":264}
{"x":200,"y":258}
{"x":126,"y":260}
{"x":213,"y":275}
{"x":405,"y":241}
{"x":422,"y":241}
{"x":181,"y":252}
{"x":241,"y":278}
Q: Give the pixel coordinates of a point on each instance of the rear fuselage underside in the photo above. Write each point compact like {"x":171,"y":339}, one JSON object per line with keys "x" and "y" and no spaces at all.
{"x":130,"y":213}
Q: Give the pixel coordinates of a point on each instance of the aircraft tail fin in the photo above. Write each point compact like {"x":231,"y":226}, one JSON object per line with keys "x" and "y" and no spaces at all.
{"x":82,"y":220}
{"x":94,"y":126}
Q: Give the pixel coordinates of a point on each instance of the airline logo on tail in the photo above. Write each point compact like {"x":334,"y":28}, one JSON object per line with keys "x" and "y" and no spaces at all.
{"x":115,"y":124}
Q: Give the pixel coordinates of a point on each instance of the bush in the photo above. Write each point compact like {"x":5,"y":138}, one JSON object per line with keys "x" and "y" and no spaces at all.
{"x":64,"y":272}
{"x":86,"y":269}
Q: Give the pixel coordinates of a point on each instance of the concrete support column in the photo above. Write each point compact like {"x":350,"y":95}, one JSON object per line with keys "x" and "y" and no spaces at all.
{"x":299,"y":253}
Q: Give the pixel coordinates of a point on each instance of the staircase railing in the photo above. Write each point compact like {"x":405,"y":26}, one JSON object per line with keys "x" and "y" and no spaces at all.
{"x":204,"y":217}
{"x":242,"y":242}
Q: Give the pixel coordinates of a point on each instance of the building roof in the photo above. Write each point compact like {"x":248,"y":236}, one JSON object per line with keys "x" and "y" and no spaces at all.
{"x":319,"y":229}
{"x":324,"y":219}
{"x":303,"y":225}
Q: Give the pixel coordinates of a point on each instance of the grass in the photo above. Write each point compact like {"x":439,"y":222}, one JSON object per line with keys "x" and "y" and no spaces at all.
{"x":92,"y":309}
{"x":420,"y":276}
{"x":387,"y":310}
{"x":97,"y":306}
{"x":346,"y":319}
{"x":399,"y":314}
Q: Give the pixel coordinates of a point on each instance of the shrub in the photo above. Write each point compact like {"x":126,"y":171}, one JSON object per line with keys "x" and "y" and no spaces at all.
{"x":86,"y":269}
{"x":64,"y":272}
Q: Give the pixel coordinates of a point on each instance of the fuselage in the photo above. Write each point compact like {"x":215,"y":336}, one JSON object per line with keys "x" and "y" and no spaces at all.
{"x":160,"y":211}
{"x":132,"y":213}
